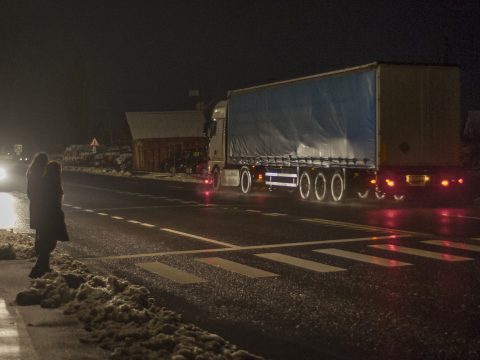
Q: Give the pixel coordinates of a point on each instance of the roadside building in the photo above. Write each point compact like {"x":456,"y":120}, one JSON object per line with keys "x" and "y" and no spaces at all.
{"x":166,"y":141}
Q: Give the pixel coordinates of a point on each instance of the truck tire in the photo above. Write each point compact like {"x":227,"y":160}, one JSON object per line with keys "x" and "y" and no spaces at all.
{"x":216,"y":179}
{"x":321,"y":186}
{"x":337,"y":187}
{"x":363,"y":194}
{"x":379,"y":194}
{"x":305,"y":185}
{"x":398,"y":197}
{"x":245,"y":180}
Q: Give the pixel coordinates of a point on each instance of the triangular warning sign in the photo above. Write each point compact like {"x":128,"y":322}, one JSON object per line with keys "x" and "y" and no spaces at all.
{"x":94,"y":142}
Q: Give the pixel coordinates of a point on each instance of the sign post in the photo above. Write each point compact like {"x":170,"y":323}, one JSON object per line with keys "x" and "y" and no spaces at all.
{"x":94,"y":143}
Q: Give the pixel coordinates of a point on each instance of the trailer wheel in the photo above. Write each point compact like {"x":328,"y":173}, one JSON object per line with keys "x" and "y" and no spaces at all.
{"x":379,"y":194}
{"x":245,"y":180}
{"x":398,"y":197}
{"x":321,"y":186}
{"x":337,"y":189}
{"x":305,"y":185}
{"x":363,"y":194}
{"x":216,"y":179}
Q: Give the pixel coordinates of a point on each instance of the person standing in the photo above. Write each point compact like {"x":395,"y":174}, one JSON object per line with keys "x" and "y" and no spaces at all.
{"x":34,"y":176}
{"x":51,"y":227}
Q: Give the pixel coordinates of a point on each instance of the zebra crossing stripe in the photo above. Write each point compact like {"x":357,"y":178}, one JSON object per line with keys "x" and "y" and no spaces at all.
{"x":235,"y":267}
{"x":454,"y":245}
{"x":9,"y":346}
{"x":171,"y":273}
{"x":374,"y":260}
{"x":418,"y":252}
{"x":298,"y":262}
{"x":275,"y":214}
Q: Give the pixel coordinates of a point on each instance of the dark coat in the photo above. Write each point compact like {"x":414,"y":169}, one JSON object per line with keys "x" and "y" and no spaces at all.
{"x":52,"y":225}
{"x":34,"y":190}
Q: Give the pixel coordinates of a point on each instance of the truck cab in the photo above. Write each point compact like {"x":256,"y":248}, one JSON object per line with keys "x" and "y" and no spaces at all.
{"x":216,"y":148}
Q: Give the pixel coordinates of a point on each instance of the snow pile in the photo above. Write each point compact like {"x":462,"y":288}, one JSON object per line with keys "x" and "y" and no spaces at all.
{"x":123,"y":318}
{"x":15,"y":246}
{"x":96,"y":170}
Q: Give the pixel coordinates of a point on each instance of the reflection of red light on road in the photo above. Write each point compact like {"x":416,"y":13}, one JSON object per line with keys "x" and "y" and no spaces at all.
{"x":446,"y":256}
{"x":207,"y":193}
{"x":392,"y":247}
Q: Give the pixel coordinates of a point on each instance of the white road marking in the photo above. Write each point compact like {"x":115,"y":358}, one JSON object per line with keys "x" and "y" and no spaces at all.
{"x":67,"y":205}
{"x":358,"y":226}
{"x":88,"y":210}
{"x":77,"y":207}
{"x":181,"y":233}
{"x":274,"y":214}
{"x":253,"y":211}
{"x":9,"y":347}
{"x":102,"y":214}
{"x":171,"y":273}
{"x":147,"y":225}
{"x":235,"y":267}
{"x":144,"y":195}
{"x":255,"y":247}
{"x":158,"y":197}
{"x":134,"y":221}
{"x":423,"y":253}
{"x":375,"y":260}
{"x":454,"y":245}
{"x":301,"y":263}
{"x":117,"y":217}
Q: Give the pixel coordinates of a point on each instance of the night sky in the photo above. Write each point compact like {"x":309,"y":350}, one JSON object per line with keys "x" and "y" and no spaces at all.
{"x":70,"y":69}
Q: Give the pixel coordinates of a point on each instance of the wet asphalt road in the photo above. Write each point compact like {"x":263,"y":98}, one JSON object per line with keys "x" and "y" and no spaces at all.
{"x":244,"y":275}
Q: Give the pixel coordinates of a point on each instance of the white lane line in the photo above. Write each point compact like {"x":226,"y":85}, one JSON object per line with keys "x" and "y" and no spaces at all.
{"x":117,"y":217}
{"x":235,"y":267}
{"x":67,"y":204}
{"x":174,"y":187}
{"x":88,"y":210}
{"x":181,"y":233}
{"x":144,"y":195}
{"x":158,"y":197}
{"x":255,"y":247}
{"x":374,"y":260}
{"x":253,"y":211}
{"x":7,"y":332}
{"x":191,"y":202}
{"x":134,"y":221}
{"x":9,"y":336}
{"x":358,"y":226}
{"x":275,"y":214}
{"x":454,"y":245}
{"x":77,"y":207}
{"x":301,"y":263}
{"x":169,"y":199}
{"x":102,"y":214}
{"x":147,"y":225}
{"x":422,"y":253}
{"x":476,"y":239}
{"x":171,"y":273}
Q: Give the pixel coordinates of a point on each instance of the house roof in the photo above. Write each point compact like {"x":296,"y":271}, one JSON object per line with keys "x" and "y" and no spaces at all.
{"x":165,"y":124}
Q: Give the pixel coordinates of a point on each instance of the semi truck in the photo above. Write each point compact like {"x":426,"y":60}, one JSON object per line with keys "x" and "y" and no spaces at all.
{"x":380,"y":130}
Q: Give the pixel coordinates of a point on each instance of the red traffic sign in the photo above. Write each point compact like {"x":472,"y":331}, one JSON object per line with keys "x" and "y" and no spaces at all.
{"x":94,"y":142}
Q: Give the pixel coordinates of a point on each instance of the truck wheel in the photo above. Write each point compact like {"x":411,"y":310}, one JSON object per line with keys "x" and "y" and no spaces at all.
{"x":379,"y":194}
{"x":363,"y":194}
{"x":305,"y":185}
{"x":398,"y":198}
{"x":320,"y":187}
{"x":337,"y":189}
{"x":245,"y":181}
{"x":216,"y":179}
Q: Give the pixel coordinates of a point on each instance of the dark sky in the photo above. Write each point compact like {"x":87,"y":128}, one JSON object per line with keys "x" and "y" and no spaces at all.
{"x":69,"y":69}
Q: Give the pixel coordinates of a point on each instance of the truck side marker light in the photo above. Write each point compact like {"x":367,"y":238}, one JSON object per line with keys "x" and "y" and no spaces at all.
{"x":390,"y":183}
{"x":373,"y":181}
{"x":260,"y":177}
{"x":445,"y":183}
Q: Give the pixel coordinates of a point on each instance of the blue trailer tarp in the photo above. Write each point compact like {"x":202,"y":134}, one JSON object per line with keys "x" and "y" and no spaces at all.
{"x":319,"y":118}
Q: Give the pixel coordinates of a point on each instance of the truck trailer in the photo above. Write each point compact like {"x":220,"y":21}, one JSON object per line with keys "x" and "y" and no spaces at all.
{"x":381,"y":129}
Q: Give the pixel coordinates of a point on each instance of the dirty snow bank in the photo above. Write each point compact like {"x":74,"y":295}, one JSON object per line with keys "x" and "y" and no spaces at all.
{"x":15,"y":246}
{"x":123,"y":318}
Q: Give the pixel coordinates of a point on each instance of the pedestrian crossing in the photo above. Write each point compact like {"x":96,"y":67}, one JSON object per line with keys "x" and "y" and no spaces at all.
{"x":182,"y":277}
{"x":9,"y":345}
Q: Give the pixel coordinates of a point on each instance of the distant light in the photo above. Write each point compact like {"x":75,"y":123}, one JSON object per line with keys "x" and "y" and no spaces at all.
{"x":460,"y":181}
{"x":445,"y":183}
{"x":3,"y":174}
{"x":373,"y":181}
{"x":390,"y":183}
{"x":260,"y":177}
